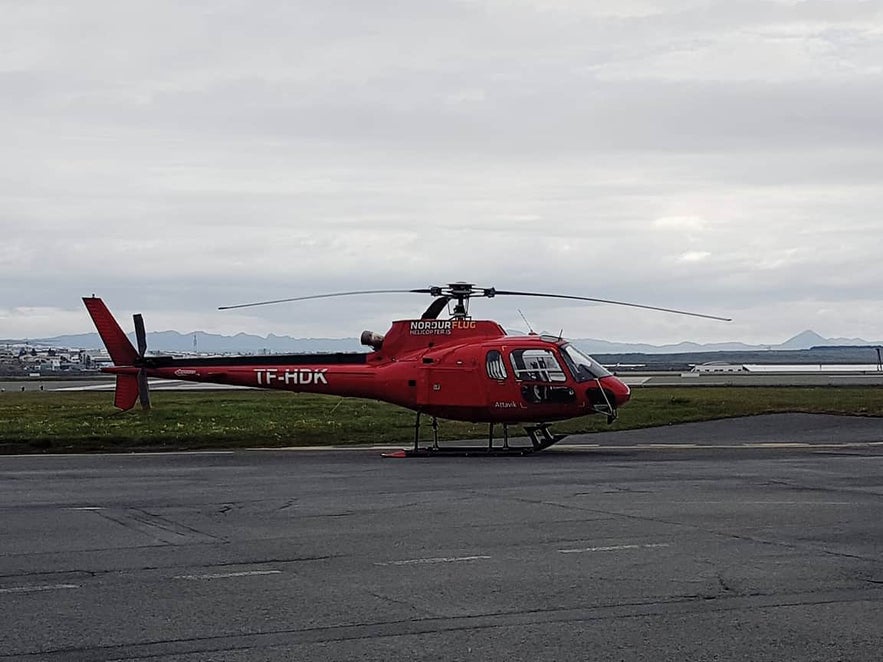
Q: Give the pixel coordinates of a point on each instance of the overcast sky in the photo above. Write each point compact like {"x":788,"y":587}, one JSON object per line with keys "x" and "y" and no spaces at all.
{"x":723,"y":156}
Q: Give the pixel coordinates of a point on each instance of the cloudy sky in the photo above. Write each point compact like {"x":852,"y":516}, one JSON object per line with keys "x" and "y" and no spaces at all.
{"x":712,"y":155}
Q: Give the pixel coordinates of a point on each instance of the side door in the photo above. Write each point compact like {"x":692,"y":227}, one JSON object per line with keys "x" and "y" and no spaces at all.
{"x":541,"y":378}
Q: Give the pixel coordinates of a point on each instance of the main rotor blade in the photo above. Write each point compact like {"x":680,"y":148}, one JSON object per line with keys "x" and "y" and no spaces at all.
{"x":325,"y":296}
{"x":140,"y":334}
{"x":610,"y":301}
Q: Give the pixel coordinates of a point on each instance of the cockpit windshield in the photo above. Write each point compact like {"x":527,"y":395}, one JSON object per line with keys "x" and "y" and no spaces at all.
{"x":583,"y":366}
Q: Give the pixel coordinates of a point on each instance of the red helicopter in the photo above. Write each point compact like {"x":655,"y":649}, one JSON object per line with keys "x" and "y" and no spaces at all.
{"x":456,"y":368}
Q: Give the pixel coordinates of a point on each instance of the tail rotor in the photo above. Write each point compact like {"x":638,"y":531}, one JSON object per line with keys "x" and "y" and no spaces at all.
{"x":130,"y":364}
{"x":141,"y":339}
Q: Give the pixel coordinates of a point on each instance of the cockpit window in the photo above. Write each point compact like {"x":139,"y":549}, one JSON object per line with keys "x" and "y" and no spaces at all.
{"x":583,"y":366}
{"x":496,"y":368}
{"x":536,"y":365}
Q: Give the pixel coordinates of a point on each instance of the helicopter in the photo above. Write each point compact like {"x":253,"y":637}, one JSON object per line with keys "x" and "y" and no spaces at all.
{"x":457,"y":368}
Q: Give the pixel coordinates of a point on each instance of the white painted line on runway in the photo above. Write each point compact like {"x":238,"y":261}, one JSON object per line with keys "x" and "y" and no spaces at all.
{"x":33,"y":456}
{"x":36,"y":589}
{"x":142,"y":453}
{"x":431,"y":561}
{"x":93,"y":387}
{"x":579,"y":447}
{"x":613,"y":548}
{"x":227,"y":575}
{"x":559,"y":447}
{"x":635,"y":381}
{"x":743,"y":446}
{"x":323,"y":448}
{"x":349,"y":447}
{"x":158,"y":385}
{"x":652,"y":446}
{"x":762,"y":503}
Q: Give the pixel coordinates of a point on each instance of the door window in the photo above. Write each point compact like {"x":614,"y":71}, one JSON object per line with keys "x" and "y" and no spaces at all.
{"x":536,"y":365}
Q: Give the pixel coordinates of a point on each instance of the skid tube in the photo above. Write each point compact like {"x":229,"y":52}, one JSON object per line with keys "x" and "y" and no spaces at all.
{"x":540,"y":439}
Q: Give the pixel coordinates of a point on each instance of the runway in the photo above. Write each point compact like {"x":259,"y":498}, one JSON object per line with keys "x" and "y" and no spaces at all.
{"x":105,"y":384}
{"x":633,"y":379}
{"x":757,"y":539}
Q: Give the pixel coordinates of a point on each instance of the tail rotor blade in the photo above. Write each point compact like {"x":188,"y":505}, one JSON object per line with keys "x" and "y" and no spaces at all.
{"x":143,"y":390}
{"x":140,"y":334}
{"x":141,"y":338}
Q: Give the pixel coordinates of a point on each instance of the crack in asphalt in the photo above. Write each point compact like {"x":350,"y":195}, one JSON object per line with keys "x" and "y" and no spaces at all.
{"x":173,"y":567}
{"x":157,"y":527}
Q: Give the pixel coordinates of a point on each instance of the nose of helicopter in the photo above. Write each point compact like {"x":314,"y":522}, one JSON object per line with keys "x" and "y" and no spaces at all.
{"x":619,"y":389}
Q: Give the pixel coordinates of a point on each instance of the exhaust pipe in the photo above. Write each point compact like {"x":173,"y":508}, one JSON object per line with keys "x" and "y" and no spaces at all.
{"x":373,"y":340}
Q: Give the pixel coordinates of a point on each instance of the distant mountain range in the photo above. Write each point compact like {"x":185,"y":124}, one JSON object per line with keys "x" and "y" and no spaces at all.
{"x":173,"y":341}
{"x":803,"y":340}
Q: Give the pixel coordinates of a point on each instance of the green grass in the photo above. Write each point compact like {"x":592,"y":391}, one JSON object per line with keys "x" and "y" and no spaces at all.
{"x":73,"y":422}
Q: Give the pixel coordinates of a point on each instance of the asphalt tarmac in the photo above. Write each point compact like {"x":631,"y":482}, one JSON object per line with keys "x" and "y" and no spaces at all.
{"x":749,"y":539}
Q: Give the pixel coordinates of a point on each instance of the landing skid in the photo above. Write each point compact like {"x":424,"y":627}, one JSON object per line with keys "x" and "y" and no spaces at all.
{"x":540,"y":439}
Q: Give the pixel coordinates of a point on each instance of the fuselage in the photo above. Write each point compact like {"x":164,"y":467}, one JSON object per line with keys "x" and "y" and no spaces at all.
{"x":457,"y":369}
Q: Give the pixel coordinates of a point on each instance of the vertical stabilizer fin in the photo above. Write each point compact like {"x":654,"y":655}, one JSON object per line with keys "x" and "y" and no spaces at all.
{"x":126,"y":393}
{"x":120,"y":348}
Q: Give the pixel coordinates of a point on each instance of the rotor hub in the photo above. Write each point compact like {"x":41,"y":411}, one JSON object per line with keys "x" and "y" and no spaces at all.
{"x":459,"y":294}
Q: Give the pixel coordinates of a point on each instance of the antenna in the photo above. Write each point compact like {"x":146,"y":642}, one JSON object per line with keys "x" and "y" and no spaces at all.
{"x":530,"y":330}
